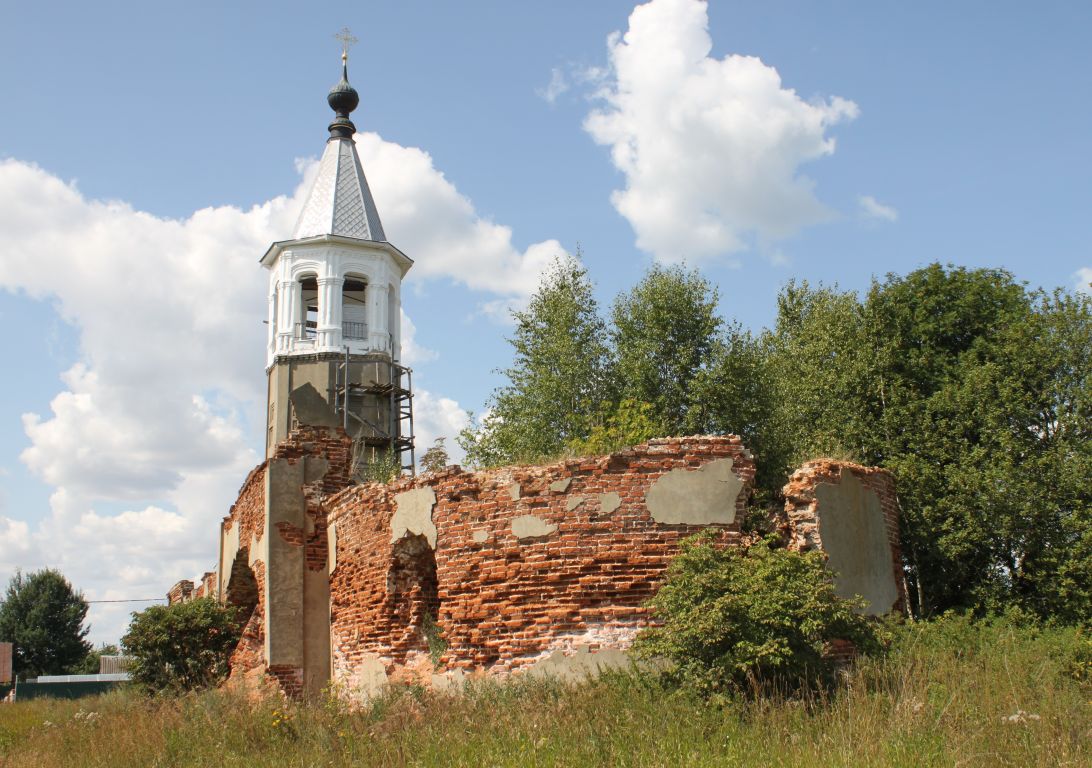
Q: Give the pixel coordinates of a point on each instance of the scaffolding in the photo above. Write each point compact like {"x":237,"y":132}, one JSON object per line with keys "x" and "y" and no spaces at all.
{"x":378,"y":433}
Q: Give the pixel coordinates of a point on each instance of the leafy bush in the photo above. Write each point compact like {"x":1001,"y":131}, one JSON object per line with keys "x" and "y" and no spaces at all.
{"x":181,"y":647}
{"x":735,"y":619}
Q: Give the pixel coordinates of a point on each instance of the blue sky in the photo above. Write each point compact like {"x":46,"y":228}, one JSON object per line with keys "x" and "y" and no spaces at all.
{"x":879,"y":137}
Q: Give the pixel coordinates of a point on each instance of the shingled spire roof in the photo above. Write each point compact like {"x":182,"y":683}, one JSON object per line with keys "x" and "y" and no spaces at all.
{"x":340,"y":202}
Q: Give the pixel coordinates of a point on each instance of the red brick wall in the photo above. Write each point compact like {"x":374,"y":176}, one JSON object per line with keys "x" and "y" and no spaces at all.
{"x":503,"y":602}
{"x":249,"y":514}
{"x":802,"y":508}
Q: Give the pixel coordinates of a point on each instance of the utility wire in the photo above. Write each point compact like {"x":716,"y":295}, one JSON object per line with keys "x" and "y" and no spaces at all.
{"x":142,"y":600}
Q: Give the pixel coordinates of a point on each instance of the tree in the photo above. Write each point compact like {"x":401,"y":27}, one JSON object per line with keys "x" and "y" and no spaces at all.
{"x":557,"y":381}
{"x":976,"y":393}
{"x":818,"y":376}
{"x":435,"y":458}
{"x":181,"y":647}
{"x":43,"y":616}
{"x":728,"y":617}
{"x":733,"y":394}
{"x":663,"y":336}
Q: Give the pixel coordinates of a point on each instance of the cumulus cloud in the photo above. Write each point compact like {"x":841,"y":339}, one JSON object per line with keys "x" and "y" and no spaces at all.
{"x":873,"y":209}
{"x":434,"y":417}
{"x":154,"y":429}
{"x":711,"y":149}
{"x":426,"y":216}
{"x":412,"y":352}
{"x":1084,"y":279}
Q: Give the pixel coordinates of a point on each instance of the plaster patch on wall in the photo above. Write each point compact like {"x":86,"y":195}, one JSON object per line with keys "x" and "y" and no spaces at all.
{"x":573,"y":502}
{"x":368,"y":678}
{"x":608,"y":502}
{"x":531,"y":527}
{"x":479,"y":537}
{"x":561,"y":485}
{"x":854,"y":536}
{"x":513,"y":491}
{"x":414,"y":515}
{"x":581,"y":665}
{"x":704,"y":496}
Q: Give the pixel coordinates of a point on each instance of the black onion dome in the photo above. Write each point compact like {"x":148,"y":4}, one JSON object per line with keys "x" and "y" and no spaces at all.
{"x":343,"y":99}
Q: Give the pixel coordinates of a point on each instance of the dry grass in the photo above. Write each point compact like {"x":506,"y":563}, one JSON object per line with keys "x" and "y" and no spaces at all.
{"x":949,"y":693}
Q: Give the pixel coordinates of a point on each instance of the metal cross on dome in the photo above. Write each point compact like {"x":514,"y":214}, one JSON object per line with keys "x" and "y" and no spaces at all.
{"x":345,"y":36}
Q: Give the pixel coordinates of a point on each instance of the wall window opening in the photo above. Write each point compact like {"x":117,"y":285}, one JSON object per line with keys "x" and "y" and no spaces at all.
{"x":354,"y":316}
{"x":307,"y":328}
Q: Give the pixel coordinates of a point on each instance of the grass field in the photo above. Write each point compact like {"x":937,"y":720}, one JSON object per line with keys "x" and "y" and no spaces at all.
{"x":948,"y":693}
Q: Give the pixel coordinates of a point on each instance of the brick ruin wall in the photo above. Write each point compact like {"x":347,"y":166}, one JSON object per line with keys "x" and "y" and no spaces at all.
{"x":244,"y":572}
{"x":518,"y":568}
{"x":520,"y":563}
{"x":859,"y":530}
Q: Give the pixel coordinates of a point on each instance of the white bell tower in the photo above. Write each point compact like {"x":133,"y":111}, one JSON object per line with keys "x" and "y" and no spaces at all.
{"x":334,"y":309}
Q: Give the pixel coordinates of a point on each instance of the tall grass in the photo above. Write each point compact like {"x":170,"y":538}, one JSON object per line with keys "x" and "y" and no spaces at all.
{"x":948,"y":693}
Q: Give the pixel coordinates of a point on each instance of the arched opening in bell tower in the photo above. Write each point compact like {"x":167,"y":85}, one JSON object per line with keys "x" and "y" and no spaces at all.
{"x":354,"y":311}
{"x":307,"y":326}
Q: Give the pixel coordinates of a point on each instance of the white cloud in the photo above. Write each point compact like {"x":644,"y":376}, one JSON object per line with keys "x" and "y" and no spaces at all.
{"x":435,"y":417}
{"x":558,"y":85}
{"x":412,"y":352}
{"x":874,"y":209}
{"x":155,"y":428}
{"x":1084,"y":279}
{"x":710,"y":148}
{"x":424,"y":215}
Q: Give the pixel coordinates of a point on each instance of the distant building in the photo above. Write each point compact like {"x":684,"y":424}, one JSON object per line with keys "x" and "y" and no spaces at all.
{"x":5,"y":663}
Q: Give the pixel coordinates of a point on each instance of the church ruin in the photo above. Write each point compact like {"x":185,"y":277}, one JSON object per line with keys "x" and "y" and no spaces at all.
{"x":453,"y":573}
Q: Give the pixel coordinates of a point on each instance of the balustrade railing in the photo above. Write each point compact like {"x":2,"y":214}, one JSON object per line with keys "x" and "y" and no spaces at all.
{"x":351,"y":330}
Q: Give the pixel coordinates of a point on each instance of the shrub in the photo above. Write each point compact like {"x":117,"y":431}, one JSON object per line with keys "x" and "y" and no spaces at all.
{"x":181,"y":647}
{"x":738,"y":619}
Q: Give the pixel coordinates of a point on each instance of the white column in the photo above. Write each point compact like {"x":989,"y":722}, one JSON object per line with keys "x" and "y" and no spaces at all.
{"x":329,"y":320}
{"x":377,"y":317}
{"x":396,"y":330}
{"x":271,"y":330}
{"x":287,"y":301}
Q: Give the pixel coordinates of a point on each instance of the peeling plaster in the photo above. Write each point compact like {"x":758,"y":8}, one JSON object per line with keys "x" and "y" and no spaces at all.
{"x":531,"y":527}
{"x":608,"y":502}
{"x":414,"y":515}
{"x":704,"y":496}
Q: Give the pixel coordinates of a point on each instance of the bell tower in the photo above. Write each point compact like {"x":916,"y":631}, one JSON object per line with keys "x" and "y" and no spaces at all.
{"x":334,"y":310}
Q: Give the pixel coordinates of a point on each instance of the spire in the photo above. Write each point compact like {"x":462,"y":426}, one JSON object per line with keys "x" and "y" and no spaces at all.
{"x":343,"y":98}
{"x":340,"y":202}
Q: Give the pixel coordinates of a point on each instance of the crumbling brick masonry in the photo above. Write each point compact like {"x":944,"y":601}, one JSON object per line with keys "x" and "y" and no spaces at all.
{"x":521,"y":568}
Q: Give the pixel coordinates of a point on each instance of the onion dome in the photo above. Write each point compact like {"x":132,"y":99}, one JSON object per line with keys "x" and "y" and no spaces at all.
{"x":343,"y":99}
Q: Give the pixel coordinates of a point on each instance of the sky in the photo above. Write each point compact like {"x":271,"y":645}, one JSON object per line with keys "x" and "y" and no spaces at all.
{"x":150,"y":152}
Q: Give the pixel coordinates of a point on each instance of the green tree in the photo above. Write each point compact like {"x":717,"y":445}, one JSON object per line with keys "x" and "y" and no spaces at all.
{"x":556,"y":383}
{"x":44,"y":617}
{"x":435,"y":458}
{"x":181,"y":647}
{"x":663,"y":335}
{"x":627,"y":423}
{"x":975,"y":392}
{"x":818,"y":375}
{"x":950,"y":418}
{"x":730,"y":617}
{"x":733,"y":394}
